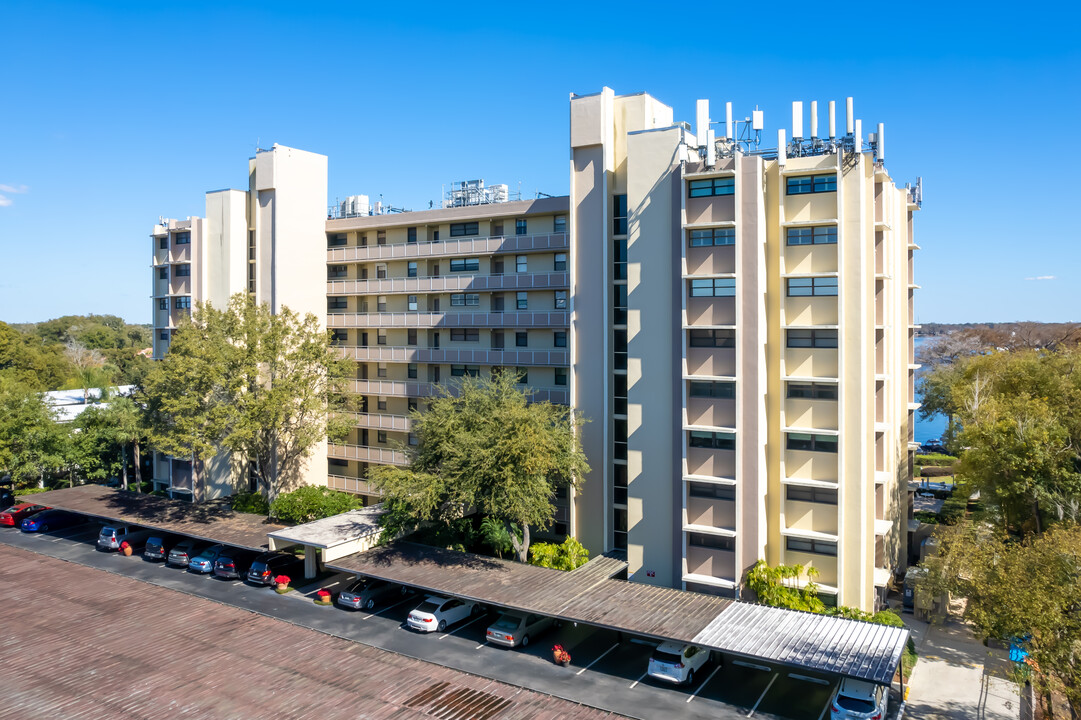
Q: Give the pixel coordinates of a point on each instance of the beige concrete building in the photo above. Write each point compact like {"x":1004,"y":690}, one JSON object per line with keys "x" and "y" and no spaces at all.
{"x":263,"y":241}
{"x":734,"y":321}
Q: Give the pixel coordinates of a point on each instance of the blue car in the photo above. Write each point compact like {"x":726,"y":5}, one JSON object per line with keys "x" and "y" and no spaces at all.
{"x":51,"y":520}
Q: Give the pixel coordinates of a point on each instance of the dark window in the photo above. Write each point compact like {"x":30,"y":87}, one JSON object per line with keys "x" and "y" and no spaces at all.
{"x":619,"y":304}
{"x":163,"y":335}
{"x":183,"y":303}
{"x":711,"y":186}
{"x":523,"y":375}
{"x":713,"y":287}
{"x":710,"y":389}
{"x":813,"y":443}
{"x":560,"y":263}
{"x":497,"y":228}
{"x":812,"y":391}
{"x":825,"y":496}
{"x":183,"y":270}
{"x":808,"y":286}
{"x":812,"y":338}
{"x":411,"y":235}
{"x":337,"y":240}
{"x":464,"y":229}
{"x":411,"y":371}
{"x":520,"y":226}
{"x":560,"y":223}
{"x":464,"y":335}
{"x":163,"y":304}
{"x":561,"y":299}
{"x":337,"y":271}
{"x":713,"y":338}
{"x":522,"y":300}
{"x":712,"y":490}
{"x":163,"y":273}
{"x":521,"y":339}
{"x":619,"y":214}
{"x":561,"y":376}
{"x":560,"y":338}
{"x":713,"y":236}
{"x":183,"y":238}
{"x":411,"y":336}
{"x":337,"y":303}
{"x":818,"y":547}
{"x":337,"y":462}
{"x":812,"y":235}
{"x":380,"y":237}
{"x":619,"y":259}
{"x":464,"y":299}
{"x":381,"y":437}
{"x":339,"y":337}
{"x":804,"y":184}
{"x":411,"y":269}
{"x":713,"y":440}
{"x":464,"y":264}
{"x":462,"y":370}
{"x":363,"y":240}
{"x":163,"y":243}
{"x":715,"y":542}
{"x":497,"y":302}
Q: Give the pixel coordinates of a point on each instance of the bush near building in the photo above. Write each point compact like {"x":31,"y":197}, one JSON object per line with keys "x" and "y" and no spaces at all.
{"x":312,"y":502}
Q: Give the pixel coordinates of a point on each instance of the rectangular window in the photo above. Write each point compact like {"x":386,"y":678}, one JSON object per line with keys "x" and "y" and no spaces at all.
{"x":812,"y":286}
{"x":714,"y":542}
{"x":521,"y":264}
{"x":720,"y":338}
{"x":713,"y":287}
{"x":411,"y":269}
{"x":182,"y":238}
{"x":380,"y":237}
{"x":464,"y":335}
{"x":464,"y":229}
{"x":363,"y":240}
{"x":619,"y":304}
{"x":381,"y":437}
{"x":381,"y":403}
{"x":497,"y":302}
{"x":561,"y":299}
{"x":812,"y":235}
{"x":465,"y":299}
{"x":337,"y":239}
{"x":805,"y":184}
{"x":183,"y":270}
{"x":163,"y":243}
{"x":497,"y":228}
{"x":619,"y":259}
{"x":619,"y":214}
{"x":712,"y":440}
{"x":381,"y":303}
{"x":712,"y":389}
{"x":411,"y":336}
{"x":183,"y":303}
{"x":521,"y":339}
{"x":412,"y":439}
{"x":163,"y":304}
{"x":522,"y":300}
{"x":560,"y":264}
{"x":381,"y":337}
{"x":713,"y":236}
{"x":561,"y":376}
{"x":812,"y":443}
{"x":163,"y":273}
{"x":560,"y":339}
{"x":337,"y":271}
{"x":497,"y":341}
{"x":411,"y":235}
{"x":825,"y":496}
{"x":523,"y":375}
{"x":411,"y":302}
{"x":711,"y":186}
{"x":381,"y":370}
{"x":163,"y":335}
{"x":339,"y":337}
{"x":818,"y":547}
{"x":560,"y":223}
{"x":381,"y":271}
{"x":463,"y":370}
{"x":712,"y":490}
{"x":812,"y":391}
{"x":337,"y":462}
{"x":464,"y":264}
{"x":812,"y":338}
{"x":411,"y":371}
{"x":619,"y":349}
{"x":520,"y":226}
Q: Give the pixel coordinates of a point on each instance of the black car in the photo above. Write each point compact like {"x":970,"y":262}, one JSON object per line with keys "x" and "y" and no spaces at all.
{"x":269,"y":565}
{"x":158,"y":546}
{"x":232,"y":563}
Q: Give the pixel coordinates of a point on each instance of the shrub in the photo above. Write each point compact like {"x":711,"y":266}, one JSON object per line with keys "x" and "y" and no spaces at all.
{"x":30,"y":491}
{"x":936,"y":471}
{"x":935,"y":459}
{"x":312,"y":502}
{"x":253,"y":503}
{"x":568,"y":556}
{"x":926,"y":516}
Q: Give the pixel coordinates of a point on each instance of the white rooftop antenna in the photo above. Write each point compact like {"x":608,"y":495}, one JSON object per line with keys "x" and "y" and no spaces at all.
{"x":814,"y":119}
{"x":728,"y":121}
{"x":848,"y":116}
{"x":711,"y":148}
{"x":833,"y":119}
{"x":757,"y":120}
{"x":781,"y":157}
{"x":881,"y":142}
{"x":701,"y":118}
{"x":859,"y":139}
{"x":797,"y":120}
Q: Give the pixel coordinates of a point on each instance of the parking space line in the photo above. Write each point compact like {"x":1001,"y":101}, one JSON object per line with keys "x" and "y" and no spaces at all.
{"x":462,"y":627}
{"x":597,"y":660}
{"x":483,"y":644}
{"x":763,"y":695}
{"x":640,"y":678}
{"x":388,"y":607}
{"x":704,"y":684}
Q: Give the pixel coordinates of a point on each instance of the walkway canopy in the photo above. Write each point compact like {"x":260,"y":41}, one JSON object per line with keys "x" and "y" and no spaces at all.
{"x":334,"y":537}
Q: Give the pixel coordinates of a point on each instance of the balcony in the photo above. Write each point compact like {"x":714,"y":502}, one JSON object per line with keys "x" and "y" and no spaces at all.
{"x":455,"y":248}
{"x":357,"y":486}
{"x":710,"y":562}
{"x":399,"y":423}
{"x":395,"y":388}
{"x":542,"y":319}
{"x":456,"y":356}
{"x":449,"y":283}
{"x":363,"y":453}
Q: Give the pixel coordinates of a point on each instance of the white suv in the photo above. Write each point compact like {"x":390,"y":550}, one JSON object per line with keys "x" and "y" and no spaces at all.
{"x":111,"y":536}
{"x":676,"y":663}
{"x":859,"y":700}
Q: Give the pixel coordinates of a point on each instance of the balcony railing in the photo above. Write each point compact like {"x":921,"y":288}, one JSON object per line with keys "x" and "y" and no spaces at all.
{"x":456,"y":356}
{"x":471,"y":246}
{"x":397,"y":388}
{"x":400,"y":423}
{"x":448,"y":283}
{"x":541,"y":319}
{"x":357,"y":486}
{"x":364,"y":453}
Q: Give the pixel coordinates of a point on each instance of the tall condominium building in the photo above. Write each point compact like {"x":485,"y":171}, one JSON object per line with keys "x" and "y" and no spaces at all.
{"x":735,"y":323}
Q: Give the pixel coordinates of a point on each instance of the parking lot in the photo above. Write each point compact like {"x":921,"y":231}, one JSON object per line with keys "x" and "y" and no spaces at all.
{"x":607,"y":670}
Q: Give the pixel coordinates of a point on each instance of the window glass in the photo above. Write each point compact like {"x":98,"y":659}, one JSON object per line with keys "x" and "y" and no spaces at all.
{"x":712,"y":338}
{"x":716,"y":542}
{"x":560,"y":263}
{"x":804,"y":184}
{"x":713,"y":440}
{"x":711,"y":186}
{"x":812,"y":235}
{"x":464,"y":229}
{"x":522,"y":299}
{"x":560,"y":338}
{"x":812,"y":443}
{"x":712,"y":389}
{"x":560,"y":223}
{"x":520,"y":226}
{"x":183,"y":270}
{"x":812,"y":286}
{"x":520,"y":264}
{"x":619,"y":214}
{"x":807,"y":338}
{"x":561,"y":299}
{"x":713,"y":287}
{"x":464,"y":264}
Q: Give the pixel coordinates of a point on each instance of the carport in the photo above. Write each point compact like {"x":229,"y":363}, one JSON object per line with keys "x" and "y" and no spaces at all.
{"x":212,"y":522}
{"x":331,"y":538}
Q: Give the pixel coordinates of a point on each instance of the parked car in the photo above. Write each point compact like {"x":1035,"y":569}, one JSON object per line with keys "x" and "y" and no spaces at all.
{"x":269,"y":565}
{"x":436,"y":613}
{"x":159,"y":546}
{"x":676,"y":663}
{"x":111,"y":536}
{"x":183,"y":552}
{"x":51,"y":520}
{"x":368,"y":592}
{"x":859,"y":700}
{"x":204,"y":562}
{"x":233,"y":563}
{"x":7,"y":498}
{"x":513,"y":629}
{"x":15,"y":514}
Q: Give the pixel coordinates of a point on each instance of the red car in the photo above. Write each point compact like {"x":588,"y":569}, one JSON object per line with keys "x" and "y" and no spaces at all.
{"x":17,"y":513}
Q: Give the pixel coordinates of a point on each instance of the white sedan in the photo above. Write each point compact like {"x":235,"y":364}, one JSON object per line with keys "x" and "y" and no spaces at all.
{"x":676,"y":663}
{"x":436,"y":613}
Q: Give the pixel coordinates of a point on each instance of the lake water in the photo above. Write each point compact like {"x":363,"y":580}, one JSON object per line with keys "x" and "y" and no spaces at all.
{"x":934,"y":427}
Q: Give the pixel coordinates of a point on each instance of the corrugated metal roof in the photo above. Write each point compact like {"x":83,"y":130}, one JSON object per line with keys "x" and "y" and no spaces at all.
{"x":863,"y":650}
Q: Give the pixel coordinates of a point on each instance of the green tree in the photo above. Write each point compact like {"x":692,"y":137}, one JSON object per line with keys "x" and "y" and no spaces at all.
{"x":778,"y":586}
{"x":486,"y":449}
{"x":312,"y":502}
{"x":265,"y":386}
{"x":32,"y":443}
{"x":568,"y":555}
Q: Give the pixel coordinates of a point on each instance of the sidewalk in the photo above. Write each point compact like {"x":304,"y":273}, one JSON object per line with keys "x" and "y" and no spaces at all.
{"x":957,"y":677}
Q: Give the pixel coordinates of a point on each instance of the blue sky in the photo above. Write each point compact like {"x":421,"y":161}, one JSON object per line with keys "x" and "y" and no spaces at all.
{"x":112,"y":114}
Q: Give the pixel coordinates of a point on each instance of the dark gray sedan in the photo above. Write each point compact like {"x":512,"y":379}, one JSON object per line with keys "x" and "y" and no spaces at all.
{"x":367,"y":593}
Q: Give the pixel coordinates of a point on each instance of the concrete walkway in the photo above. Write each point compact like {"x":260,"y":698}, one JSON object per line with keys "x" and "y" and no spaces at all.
{"x":957,"y":677}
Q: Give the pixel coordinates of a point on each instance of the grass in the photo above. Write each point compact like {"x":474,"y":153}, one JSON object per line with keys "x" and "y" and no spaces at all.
{"x":908,"y":659}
